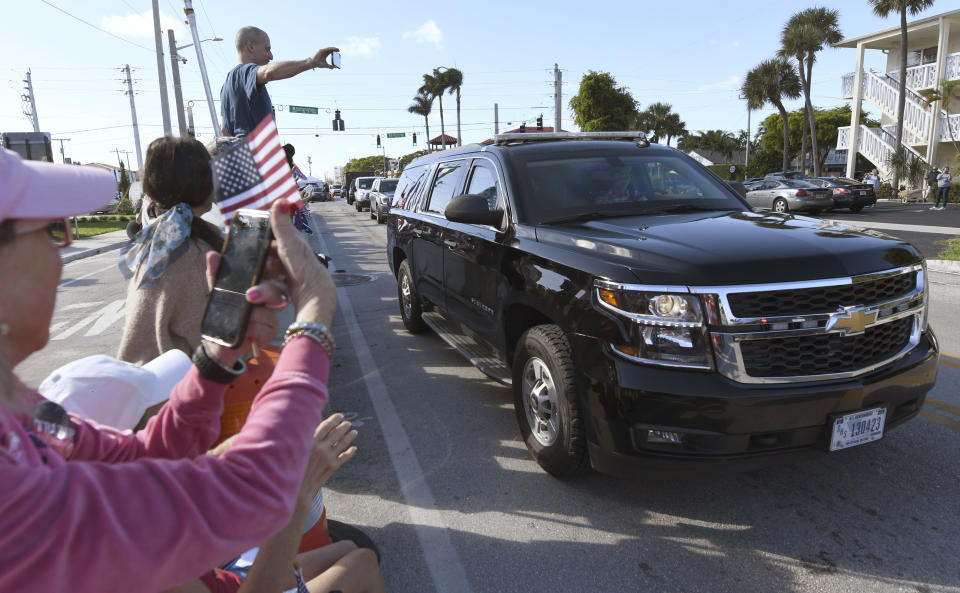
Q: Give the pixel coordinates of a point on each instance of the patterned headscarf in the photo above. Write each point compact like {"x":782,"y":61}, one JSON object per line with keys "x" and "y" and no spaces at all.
{"x":157,"y":244}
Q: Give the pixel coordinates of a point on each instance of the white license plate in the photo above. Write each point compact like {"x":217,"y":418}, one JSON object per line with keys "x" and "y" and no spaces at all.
{"x":861,"y":193}
{"x":858,"y":428}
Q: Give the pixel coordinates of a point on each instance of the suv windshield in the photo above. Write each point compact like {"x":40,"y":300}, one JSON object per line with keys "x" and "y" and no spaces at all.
{"x":365,"y":183}
{"x":579,"y":188}
{"x":388,"y":185}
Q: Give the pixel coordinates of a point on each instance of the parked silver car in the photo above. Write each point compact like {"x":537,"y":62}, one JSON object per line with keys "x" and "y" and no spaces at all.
{"x":785,"y":195}
{"x":381,"y":195}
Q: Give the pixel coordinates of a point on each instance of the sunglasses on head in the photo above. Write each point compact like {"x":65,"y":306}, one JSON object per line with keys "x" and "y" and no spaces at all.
{"x":58,"y":230}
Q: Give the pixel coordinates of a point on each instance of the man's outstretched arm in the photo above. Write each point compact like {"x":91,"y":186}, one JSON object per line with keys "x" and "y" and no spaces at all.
{"x":290,"y":68}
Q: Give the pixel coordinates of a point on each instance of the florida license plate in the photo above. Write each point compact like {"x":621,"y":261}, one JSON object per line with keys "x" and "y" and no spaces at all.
{"x":858,"y":428}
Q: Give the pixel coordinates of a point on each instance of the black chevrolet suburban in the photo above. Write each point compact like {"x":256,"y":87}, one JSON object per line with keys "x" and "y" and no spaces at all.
{"x":646,"y":317}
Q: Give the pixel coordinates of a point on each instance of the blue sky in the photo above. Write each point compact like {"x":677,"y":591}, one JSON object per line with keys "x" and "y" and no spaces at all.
{"x":691,"y":54}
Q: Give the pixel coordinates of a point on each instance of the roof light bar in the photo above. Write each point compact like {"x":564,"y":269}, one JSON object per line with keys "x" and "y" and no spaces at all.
{"x":501,"y":139}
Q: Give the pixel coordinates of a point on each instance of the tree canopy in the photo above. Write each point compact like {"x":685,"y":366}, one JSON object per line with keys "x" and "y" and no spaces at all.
{"x":367,"y":163}
{"x":600,"y":105}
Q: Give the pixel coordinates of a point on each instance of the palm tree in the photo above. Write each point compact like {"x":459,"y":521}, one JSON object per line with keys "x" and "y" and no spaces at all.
{"x":453,"y":80}
{"x":944,"y":93}
{"x":883,"y":8}
{"x":803,"y":36}
{"x":674,"y":127}
{"x":423,"y":105}
{"x":654,"y":119}
{"x":434,"y":86}
{"x":772,"y":81}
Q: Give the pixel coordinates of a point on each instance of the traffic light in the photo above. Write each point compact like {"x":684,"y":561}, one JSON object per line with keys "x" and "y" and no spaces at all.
{"x":378,"y":140}
{"x":337,"y":122}
{"x":414,"y":138}
{"x":540,"y":123}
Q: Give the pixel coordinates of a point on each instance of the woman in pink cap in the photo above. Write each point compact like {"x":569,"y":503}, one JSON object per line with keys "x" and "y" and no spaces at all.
{"x":86,"y":508}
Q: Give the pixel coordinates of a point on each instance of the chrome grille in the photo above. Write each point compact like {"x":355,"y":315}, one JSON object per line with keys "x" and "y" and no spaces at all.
{"x":825,"y":353}
{"x":825,"y":299}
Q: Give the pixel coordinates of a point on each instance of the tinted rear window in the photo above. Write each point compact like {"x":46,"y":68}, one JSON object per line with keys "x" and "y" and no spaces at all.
{"x":388,"y":185}
{"x":365,"y":182}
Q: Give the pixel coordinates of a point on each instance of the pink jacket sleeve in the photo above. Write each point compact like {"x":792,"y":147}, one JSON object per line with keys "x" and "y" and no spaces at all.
{"x":153,"y":523}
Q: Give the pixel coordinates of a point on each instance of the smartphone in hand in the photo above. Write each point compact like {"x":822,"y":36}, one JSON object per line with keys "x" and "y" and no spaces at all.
{"x":335,"y":59}
{"x":241,"y":265}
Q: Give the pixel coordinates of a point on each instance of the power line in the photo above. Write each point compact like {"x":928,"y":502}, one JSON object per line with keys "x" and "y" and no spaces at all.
{"x":96,"y":27}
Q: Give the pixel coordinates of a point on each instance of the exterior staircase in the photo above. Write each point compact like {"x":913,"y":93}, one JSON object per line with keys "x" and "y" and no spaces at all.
{"x":882,"y":90}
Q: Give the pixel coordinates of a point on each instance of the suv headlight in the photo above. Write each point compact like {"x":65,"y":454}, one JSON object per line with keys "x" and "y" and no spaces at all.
{"x":666,"y":326}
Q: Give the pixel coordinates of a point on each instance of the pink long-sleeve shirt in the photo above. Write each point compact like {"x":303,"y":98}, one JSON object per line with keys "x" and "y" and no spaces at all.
{"x":148,"y":511}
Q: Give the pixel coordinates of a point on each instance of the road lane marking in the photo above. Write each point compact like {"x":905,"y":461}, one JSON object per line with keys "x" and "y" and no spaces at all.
{"x":935,"y":403}
{"x":441,"y":557}
{"x":85,"y":276}
{"x":100,"y":320}
{"x":951,"y":424}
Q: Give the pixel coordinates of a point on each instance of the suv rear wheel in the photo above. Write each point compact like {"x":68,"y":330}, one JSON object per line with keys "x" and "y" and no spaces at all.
{"x":410,"y":310}
{"x":545,"y":400}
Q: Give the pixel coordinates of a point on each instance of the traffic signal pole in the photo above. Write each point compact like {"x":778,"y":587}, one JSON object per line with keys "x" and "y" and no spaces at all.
{"x":192,"y":21}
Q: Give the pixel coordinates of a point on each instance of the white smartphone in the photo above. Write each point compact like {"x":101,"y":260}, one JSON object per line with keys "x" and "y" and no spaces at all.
{"x":335,"y":59}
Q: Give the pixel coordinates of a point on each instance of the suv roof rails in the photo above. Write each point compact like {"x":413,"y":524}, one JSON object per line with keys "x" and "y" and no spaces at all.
{"x":518,"y":138}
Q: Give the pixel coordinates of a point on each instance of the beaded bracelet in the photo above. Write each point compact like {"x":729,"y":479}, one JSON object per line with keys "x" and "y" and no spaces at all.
{"x":317,"y":332}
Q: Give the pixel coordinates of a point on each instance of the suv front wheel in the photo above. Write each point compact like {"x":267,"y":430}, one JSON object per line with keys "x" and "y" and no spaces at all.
{"x":545,"y":400}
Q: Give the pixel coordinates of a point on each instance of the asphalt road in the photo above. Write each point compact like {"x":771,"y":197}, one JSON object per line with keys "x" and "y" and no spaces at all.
{"x":444,"y":485}
{"x":893,"y":215}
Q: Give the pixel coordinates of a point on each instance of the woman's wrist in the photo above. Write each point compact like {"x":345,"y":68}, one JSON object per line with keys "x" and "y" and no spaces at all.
{"x":227,"y":357}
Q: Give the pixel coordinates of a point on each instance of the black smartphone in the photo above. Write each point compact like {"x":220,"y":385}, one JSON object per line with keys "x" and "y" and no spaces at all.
{"x":243,"y":257}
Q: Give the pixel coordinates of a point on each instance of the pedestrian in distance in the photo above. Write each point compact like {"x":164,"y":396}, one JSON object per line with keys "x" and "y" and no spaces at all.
{"x":932,"y":182}
{"x":87,"y":508}
{"x":244,"y":100}
{"x":943,"y":189}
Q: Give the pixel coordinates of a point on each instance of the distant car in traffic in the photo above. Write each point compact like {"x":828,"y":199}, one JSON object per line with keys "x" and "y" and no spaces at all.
{"x":313,"y":192}
{"x":847,"y":193}
{"x":336,"y":190}
{"x":786,"y":195}
{"x":361,"y":199}
{"x":381,"y":194}
{"x":787,"y":175}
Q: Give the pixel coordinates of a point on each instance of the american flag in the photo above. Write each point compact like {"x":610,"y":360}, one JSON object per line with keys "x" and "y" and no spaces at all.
{"x":298,"y":174}
{"x":253,"y":173}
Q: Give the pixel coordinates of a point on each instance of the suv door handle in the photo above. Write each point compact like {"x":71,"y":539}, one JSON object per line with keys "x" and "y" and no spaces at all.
{"x":450,"y":243}
{"x":417,"y":231}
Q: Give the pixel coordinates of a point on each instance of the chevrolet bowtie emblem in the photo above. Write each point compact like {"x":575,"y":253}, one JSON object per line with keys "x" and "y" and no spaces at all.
{"x":852,"y":321}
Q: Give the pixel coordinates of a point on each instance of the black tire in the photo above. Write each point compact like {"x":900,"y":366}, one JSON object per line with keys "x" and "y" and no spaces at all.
{"x":856,"y":208}
{"x":780,"y":205}
{"x":544,"y":393}
{"x":358,"y":206}
{"x":349,"y":200}
{"x":380,"y":217}
{"x":411,"y":312}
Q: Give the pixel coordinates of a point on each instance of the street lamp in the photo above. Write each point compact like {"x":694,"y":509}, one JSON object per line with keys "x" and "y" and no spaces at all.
{"x":183,"y":59}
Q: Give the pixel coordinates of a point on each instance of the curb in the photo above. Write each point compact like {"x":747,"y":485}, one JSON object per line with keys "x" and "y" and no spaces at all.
{"x":94,"y":251}
{"x":943,"y":265}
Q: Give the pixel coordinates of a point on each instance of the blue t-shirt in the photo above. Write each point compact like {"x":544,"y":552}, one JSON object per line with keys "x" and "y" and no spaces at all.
{"x":243,"y":103}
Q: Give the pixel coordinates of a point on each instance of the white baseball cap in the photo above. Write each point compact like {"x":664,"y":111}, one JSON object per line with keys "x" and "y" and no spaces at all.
{"x":112,"y":392}
{"x":34,"y":189}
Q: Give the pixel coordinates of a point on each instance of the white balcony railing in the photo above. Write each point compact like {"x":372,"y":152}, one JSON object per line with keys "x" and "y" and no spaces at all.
{"x":916,"y":117}
{"x":954,"y":123}
{"x":846,"y":86}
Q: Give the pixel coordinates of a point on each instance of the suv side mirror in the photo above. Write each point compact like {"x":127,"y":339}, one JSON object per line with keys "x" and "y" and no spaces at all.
{"x":738,"y":187}
{"x":472,"y":209}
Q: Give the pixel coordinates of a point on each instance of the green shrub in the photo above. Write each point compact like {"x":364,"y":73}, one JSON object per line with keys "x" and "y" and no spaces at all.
{"x":124,"y":206}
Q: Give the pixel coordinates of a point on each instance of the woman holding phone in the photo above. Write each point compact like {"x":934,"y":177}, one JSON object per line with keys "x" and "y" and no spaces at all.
{"x":89,"y":509}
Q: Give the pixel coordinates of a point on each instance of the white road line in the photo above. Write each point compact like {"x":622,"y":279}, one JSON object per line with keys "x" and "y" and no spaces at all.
{"x":441,"y":557}
{"x":94,"y":273}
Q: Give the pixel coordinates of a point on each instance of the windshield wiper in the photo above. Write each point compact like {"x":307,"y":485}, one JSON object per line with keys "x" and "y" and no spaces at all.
{"x":585,"y":217}
{"x":690,"y":208}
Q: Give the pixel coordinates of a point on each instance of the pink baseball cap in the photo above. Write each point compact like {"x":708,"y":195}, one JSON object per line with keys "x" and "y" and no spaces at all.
{"x":33,"y":189}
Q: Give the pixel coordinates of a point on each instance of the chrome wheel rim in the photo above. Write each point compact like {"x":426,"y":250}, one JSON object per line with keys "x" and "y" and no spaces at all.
{"x":540,"y":402}
{"x":406,"y":296}
{"x":779,"y":206}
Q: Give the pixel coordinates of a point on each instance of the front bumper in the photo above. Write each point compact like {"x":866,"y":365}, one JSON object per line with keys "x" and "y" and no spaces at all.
{"x":729,"y":425}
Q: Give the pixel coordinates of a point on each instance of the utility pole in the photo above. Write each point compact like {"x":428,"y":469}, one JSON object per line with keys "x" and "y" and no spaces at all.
{"x":61,"y":141}
{"x":746,"y":161}
{"x":190,"y":129}
{"x":177,"y":93}
{"x":496,"y":119}
{"x":192,"y":21}
{"x":161,"y":71}
{"x":33,"y":103}
{"x":126,"y":153}
{"x":310,"y":166}
{"x":557,"y":92}
{"x":133,"y":114}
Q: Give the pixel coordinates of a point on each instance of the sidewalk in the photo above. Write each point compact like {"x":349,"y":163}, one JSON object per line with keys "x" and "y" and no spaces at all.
{"x":81,"y":248}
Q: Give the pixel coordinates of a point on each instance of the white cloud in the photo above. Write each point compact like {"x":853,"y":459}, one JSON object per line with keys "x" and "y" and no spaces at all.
{"x":365,"y":47}
{"x":138,"y":25}
{"x":428,"y":32}
{"x":723,"y":85}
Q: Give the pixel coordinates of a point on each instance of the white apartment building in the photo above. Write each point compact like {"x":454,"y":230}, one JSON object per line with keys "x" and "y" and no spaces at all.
{"x":933,"y":54}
